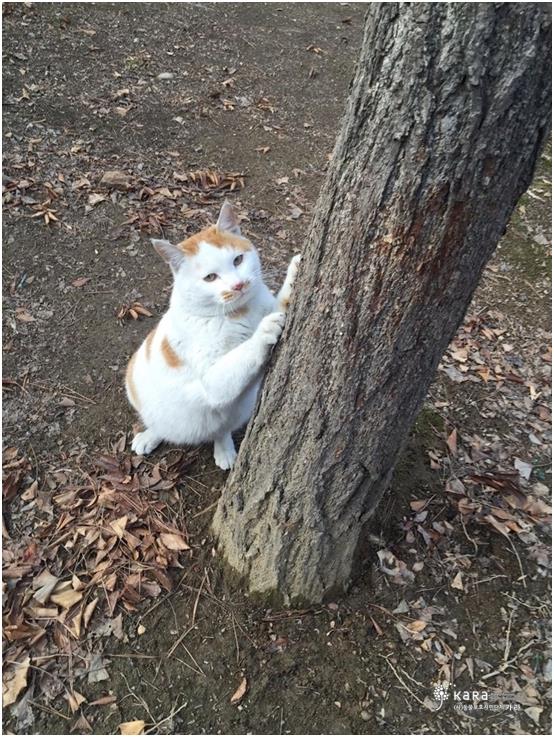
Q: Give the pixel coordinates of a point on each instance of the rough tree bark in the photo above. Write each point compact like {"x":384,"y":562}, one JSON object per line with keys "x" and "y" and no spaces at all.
{"x":448,"y":110}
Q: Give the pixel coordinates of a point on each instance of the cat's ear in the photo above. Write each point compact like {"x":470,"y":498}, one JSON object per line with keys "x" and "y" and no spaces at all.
{"x":228,"y":219}
{"x":171,"y":254}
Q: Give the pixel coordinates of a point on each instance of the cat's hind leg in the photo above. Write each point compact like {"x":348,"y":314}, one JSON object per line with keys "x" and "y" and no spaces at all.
{"x":224,"y":451}
{"x":145,"y":442}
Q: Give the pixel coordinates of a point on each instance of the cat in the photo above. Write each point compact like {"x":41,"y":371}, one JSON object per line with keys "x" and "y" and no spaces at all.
{"x":196,"y":376}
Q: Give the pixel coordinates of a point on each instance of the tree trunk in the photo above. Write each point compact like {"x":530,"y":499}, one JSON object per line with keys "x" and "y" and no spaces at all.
{"x":448,"y":110}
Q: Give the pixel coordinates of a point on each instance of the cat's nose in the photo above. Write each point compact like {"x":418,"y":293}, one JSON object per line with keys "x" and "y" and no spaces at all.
{"x":239,"y":286}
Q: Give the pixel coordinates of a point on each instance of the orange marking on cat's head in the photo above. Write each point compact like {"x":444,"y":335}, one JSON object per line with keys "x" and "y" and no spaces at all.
{"x":170,"y":357}
{"x":215,"y":237}
{"x":131,"y":387}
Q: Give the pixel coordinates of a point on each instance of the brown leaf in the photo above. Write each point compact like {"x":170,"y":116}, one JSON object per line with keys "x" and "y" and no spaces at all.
{"x":136,"y":727}
{"x":418,"y":625}
{"x":452,"y":442}
{"x":66,"y":599}
{"x":89,"y":610}
{"x":82,"y":725}
{"x":117,"y":179}
{"x":75,"y":700}
{"x":23,"y":314}
{"x":119,"y":525}
{"x":457,"y":582}
{"x":14,"y":680}
{"x":498,"y":526}
{"x":173,"y":542}
{"x":240,"y":692}
{"x":45,"y":583}
{"x":95,"y":199}
{"x":80,"y":281}
{"x":103,"y":700}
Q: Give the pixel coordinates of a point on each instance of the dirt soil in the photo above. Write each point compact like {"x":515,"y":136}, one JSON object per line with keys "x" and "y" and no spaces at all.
{"x":456,"y":591}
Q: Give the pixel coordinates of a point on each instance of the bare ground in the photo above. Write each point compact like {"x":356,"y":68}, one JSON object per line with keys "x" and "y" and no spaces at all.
{"x":453,"y":597}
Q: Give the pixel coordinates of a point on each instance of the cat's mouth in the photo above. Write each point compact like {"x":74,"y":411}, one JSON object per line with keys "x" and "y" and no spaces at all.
{"x":231,"y":296}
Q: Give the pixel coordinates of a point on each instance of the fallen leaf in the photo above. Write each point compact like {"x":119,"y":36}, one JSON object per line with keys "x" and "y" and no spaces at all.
{"x":89,"y":612}
{"x":23,"y":314}
{"x":45,"y":583}
{"x":525,"y":469}
{"x":81,"y":281}
{"x":116,"y":179}
{"x":75,"y":699}
{"x":103,"y":701}
{"x":66,"y":599}
{"x":97,"y":672}
{"x":452,"y":442}
{"x":457,"y":582}
{"x":534,"y":712}
{"x":418,"y":625}
{"x":82,"y":725}
{"x":12,"y":687}
{"x":173,"y":542}
{"x":119,"y":525}
{"x":95,"y":199}
{"x":136,"y":727}
{"x":240,"y":692}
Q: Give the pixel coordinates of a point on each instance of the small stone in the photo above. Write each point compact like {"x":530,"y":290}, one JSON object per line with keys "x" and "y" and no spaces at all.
{"x":365,"y":715}
{"x":166,"y":75}
{"x":141,"y":629}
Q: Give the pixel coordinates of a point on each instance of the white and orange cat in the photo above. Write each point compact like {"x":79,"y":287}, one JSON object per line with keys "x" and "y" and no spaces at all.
{"x":196,"y":376}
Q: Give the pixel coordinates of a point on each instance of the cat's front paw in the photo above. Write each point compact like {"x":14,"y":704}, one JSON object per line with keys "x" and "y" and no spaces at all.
{"x":270,"y":328}
{"x":145,"y":442}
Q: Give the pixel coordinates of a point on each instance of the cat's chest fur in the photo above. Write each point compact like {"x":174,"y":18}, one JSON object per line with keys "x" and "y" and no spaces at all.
{"x":203,"y":340}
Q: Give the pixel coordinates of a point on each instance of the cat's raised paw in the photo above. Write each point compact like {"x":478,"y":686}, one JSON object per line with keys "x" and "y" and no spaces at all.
{"x":271,"y":327}
{"x":293,"y":267}
{"x":145,"y":442}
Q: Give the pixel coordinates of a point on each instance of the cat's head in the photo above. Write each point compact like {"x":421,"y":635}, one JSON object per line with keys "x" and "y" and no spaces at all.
{"x":216,"y":267}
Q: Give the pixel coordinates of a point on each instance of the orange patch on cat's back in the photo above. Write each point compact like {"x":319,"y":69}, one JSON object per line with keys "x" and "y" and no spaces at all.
{"x":131,"y":387}
{"x":170,"y":357}
{"x":215,"y":237}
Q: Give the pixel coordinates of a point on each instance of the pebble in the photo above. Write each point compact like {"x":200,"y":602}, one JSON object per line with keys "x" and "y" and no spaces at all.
{"x":166,"y":75}
{"x":365,"y":715}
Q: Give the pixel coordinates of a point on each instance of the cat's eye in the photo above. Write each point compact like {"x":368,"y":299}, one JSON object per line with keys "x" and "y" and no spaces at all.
{"x":238,"y":260}
{"x":210,"y":277}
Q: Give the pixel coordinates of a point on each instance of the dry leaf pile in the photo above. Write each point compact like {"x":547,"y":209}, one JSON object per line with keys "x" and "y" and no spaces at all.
{"x":100,"y":544}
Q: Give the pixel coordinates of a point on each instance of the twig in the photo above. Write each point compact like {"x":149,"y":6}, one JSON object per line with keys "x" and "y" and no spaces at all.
{"x":165,"y":719}
{"x":203,"y":511}
{"x":191,"y":656}
{"x":471,"y":540}
{"x":179,"y":641}
{"x":195,"y":607}
{"x":133,"y":655}
{"x":507,"y":663}
{"x":406,"y":688}
{"x":523,"y":576}
{"x":49,"y":709}
{"x":508,"y":645}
